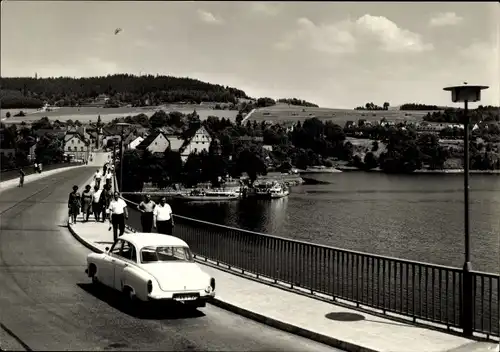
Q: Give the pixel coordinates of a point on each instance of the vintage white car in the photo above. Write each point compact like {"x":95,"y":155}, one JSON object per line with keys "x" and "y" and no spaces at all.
{"x":152,"y":267}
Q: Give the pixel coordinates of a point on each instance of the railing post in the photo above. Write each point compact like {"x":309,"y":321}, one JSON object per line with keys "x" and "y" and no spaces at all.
{"x":467,"y":301}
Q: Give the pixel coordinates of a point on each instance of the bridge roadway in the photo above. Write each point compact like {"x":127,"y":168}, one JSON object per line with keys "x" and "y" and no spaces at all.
{"x":44,"y":306}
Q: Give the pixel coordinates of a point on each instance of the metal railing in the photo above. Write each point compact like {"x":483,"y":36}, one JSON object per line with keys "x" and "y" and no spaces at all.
{"x":417,"y":290}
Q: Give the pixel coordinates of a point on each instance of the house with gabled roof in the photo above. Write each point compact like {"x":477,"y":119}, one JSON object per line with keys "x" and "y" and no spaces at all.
{"x":198,"y":142}
{"x":156,"y":142}
{"x":76,"y":146}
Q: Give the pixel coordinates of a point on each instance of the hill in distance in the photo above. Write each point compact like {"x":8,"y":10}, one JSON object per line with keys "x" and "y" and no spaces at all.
{"x":121,"y":89}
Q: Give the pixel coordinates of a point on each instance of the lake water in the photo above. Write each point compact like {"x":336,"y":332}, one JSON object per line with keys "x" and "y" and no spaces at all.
{"x":417,"y":217}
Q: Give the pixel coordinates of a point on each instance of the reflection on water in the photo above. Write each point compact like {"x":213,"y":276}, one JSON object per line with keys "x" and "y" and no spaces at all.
{"x":418,"y":217}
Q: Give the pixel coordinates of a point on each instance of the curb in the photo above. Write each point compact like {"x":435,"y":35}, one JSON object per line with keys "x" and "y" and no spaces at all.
{"x":290,"y":328}
{"x":82,"y":241}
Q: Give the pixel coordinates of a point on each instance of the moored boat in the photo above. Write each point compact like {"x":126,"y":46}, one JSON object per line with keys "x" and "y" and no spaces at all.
{"x":271,"y":190}
{"x":209,"y":195}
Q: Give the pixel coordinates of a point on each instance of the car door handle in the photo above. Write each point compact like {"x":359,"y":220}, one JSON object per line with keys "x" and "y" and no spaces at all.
{"x":112,"y":260}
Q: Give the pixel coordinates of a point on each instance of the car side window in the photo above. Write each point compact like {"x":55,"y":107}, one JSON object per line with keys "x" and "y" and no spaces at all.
{"x":117,"y":247}
{"x":126,"y":250}
{"x":133,"y":253}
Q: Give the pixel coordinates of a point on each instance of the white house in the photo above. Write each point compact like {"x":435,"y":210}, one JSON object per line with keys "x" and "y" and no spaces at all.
{"x":77,"y":146}
{"x":155,"y":143}
{"x":135,"y":142}
{"x":199,"y":142}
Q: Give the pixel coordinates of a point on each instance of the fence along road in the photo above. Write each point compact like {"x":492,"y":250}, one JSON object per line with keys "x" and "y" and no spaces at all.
{"x":419,"y":291}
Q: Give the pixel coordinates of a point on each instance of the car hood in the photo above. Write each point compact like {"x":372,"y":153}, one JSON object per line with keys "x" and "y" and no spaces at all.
{"x":178,"y":276}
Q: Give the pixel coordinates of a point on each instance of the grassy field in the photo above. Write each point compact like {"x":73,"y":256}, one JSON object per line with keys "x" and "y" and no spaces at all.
{"x":86,"y":114}
{"x":283,"y":112}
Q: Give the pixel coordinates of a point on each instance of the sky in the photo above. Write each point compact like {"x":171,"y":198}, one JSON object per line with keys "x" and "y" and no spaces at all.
{"x":335,"y":54}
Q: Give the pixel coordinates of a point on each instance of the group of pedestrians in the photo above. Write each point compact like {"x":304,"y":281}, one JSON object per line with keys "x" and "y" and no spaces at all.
{"x":104,"y":204}
{"x":94,"y":201}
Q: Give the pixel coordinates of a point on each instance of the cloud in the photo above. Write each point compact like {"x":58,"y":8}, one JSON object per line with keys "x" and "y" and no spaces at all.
{"x":268,"y":9}
{"x":346,"y":36}
{"x":144,"y":44}
{"x":445,"y":19}
{"x":393,"y":38}
{"x":209,"y":17}
{"x":330,"y":39}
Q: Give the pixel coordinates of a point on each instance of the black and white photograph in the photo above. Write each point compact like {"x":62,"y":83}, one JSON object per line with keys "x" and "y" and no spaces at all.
{"x":250,"y":176}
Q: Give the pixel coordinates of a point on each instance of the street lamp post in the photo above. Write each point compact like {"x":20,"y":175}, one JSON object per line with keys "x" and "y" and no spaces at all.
{"x":122,"y":125}
{"x":466,"y":94}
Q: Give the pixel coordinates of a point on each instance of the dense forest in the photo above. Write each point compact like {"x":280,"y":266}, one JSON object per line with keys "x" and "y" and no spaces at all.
{"x":452,"y":115}
{"x":419,"y":107}
{"x":122,"y":89}
{"x":297,"y":102}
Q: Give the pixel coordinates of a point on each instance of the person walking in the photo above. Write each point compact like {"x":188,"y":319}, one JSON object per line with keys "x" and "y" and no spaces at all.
{"x":21,"y":177}
{"x":74,"y":205}
{"x":147,"y":208}
{"x":39,"y":168}
{"x":97,"y":178}
{"x":162,"y":217}
{"x":35,"y":167}
{"x":118,"y":214}
{"x":106,"y":197}
{"x":105,"y":168}
{"x":96,"y":203}
{"x":87,"y":197}
{"x":109,"y":177}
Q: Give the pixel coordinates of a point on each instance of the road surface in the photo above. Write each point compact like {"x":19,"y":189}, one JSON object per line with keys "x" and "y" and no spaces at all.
{"x":46,"y":302}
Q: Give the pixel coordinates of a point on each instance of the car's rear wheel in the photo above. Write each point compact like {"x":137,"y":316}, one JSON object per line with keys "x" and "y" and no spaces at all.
{"x":129,"y":299}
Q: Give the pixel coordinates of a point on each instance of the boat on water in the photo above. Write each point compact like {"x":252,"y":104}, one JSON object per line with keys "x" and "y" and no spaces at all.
{"x":212,"y":195}
{"x":278,"y":191}
{"x":271,"y":190}
{"x":320,"y":170}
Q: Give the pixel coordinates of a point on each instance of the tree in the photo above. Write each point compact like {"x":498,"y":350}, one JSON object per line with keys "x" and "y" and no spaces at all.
{"x":158,"y":119}
{"x":49,"y":150}
{"x":133,"y":176}
{"x":239,"y":119}
{"x":386,"y":106}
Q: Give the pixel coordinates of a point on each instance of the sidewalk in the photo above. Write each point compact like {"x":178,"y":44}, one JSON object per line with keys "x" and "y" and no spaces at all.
{"x":352,"y":330}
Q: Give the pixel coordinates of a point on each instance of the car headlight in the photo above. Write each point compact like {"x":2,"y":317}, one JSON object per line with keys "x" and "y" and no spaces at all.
{"x":208,"y":289}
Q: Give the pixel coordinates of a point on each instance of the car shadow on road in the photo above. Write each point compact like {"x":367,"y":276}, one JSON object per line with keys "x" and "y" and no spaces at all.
{"x":142,"y":310}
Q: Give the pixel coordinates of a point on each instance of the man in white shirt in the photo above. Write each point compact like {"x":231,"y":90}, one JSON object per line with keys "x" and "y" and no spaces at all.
{"x":118,"y":213}
{"x":96,"y":204}
{"x":109,"y":178}
{"x":162,"y":218}
{"x":97,"y":177}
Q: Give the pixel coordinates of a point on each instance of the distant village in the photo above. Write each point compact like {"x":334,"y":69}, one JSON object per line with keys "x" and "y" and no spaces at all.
{"x":78,"y":142}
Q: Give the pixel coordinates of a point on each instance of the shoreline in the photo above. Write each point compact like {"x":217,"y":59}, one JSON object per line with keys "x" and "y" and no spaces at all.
{"x":425,"y":171}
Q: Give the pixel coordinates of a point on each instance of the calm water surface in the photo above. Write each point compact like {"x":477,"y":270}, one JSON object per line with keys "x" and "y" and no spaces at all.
{"x":417,"y":217}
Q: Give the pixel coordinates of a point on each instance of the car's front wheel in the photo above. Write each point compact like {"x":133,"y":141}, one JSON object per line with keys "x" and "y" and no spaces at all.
{"x":93,"y":274}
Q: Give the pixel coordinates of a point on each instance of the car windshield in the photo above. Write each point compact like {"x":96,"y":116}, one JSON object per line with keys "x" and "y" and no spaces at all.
{"x":166,"y":254}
